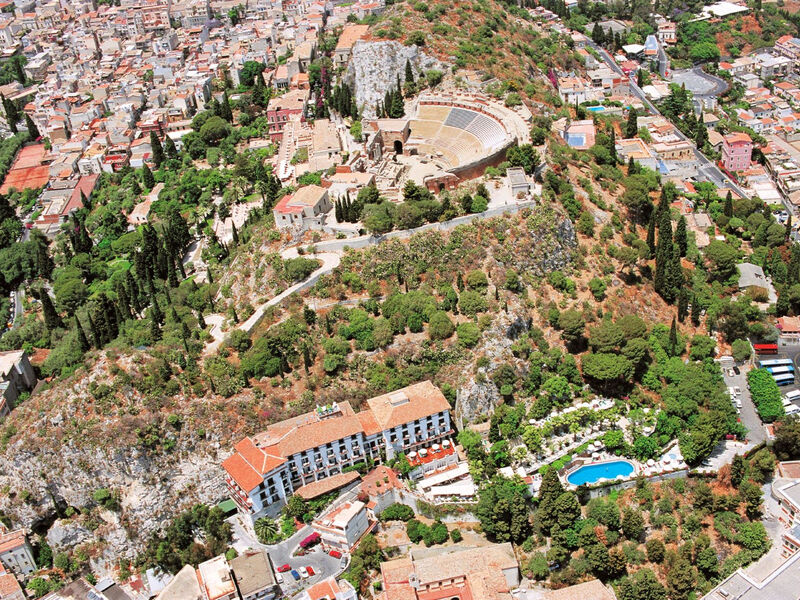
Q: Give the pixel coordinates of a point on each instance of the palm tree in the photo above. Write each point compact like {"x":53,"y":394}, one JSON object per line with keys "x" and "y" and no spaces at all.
{"x":266,"y":529}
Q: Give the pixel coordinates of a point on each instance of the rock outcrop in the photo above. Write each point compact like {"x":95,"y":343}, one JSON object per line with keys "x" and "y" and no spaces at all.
{"x":375,"y":66}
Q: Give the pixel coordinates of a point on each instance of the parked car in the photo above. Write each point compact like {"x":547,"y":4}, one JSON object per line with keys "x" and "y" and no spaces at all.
{"x":303,"y":572}
{"x":736,"y":370}
{"x":295,"y":574}
{"x":284,"y":568}
{"x":279,"y":578}
{"x":335,"y":554}
{"x":737,"y":390}
{"x":310,"y":571}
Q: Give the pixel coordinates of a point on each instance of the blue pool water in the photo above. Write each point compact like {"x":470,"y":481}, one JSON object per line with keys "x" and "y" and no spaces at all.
{"x":593,"y":473}
{"x":595,"y":108}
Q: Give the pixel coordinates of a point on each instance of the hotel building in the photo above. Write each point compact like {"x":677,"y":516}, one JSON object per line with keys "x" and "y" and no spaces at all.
{"x":268,"y":468}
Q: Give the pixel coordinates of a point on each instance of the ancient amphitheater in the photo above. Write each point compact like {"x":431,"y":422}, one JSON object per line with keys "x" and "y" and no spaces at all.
{"x":455,"y":134}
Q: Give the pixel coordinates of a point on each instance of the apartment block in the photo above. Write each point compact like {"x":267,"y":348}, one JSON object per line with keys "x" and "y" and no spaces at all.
{"x":318,"y":448}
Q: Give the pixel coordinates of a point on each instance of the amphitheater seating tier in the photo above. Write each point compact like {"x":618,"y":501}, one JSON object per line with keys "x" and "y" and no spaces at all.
{"x":461,"y":135}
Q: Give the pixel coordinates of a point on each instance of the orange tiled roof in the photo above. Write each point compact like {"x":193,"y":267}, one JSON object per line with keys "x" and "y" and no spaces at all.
{"x":323,"y":486}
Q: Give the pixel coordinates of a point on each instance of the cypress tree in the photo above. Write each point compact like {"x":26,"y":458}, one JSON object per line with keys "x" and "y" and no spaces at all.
{"x":338,"y":211}
{"x":397,"y":110}
{"x":632,"y":127}
{"x":681,"y":237}
{"x":225,"y":108}
{"x":12,"y":114}
{"x":664,"y":252}
{"x":135,"y":187}
{"x":147,"y":177}
{"x":695,"y":311}
{"x":728,"y":209}
{"x":201,"y":322}
{"x":94,"y":332}
{"x":793,"y":272}
{"x":123,"y":301}
{"x":155,"y":331}
{"x":683,"y":304}
{"x":673,"y":337}
{"x":234,"y":314}
{"x":158,"y":150}
{"x":51,"y":319}
{"x":170,"y":148}
{"x":44,"y":264}
{"x":83,"y":343}
{"x":155,"y":310}
{"x":409,"y":76}
{"x":33,"y":131}
{"x":19,"y":72}
{"x":651,"y":234}
{"x":235,"y":234}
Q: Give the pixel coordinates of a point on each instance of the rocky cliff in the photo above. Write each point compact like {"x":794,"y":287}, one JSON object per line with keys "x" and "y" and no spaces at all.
{"x":63,"y":452}
{"x":375,"y":67}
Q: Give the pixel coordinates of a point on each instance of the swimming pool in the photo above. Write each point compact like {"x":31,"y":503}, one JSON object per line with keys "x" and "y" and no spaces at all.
{"x":596,"y":472}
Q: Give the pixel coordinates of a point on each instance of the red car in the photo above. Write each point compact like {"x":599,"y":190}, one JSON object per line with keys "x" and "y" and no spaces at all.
{"x":310,"y":571}
{"x":335,"y":554}
{"x":284,"y":568}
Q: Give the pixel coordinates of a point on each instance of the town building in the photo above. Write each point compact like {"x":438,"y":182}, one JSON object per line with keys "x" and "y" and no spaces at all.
{"x":329,"y":589}
{"x":778,"y":583}
{"x":488,"y":573}
{"x":305,"y":209}
{"x":737,"y":149}
{"x":343,"y":525}
{"x":266,"y":469}
{"x":254,"y":576}
{"x":281,"y":108}
{"x":9,"y":586}
{"x":16,"y":553}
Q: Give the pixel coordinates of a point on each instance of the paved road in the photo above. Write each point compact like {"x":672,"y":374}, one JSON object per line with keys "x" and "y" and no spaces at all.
{"x":706,"y":168}
{"x":281,"y":554}
{"x":700,"y":83}
{"x":749,"y":416}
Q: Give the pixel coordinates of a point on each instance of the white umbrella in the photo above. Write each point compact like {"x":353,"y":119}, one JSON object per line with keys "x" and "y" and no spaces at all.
{"x":595,"y":455}
{"x":446,"y":444}
{"x":650,"y":462}
{"x":423,"y":452}
{"x":412,"y":454}
{"x":435,"y":447}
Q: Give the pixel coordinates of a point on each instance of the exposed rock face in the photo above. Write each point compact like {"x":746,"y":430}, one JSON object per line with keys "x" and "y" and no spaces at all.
{"x":152,"y":488}
{"x":65,"y":534}
{"x":475,"y":400}
{"x":375,"y":66}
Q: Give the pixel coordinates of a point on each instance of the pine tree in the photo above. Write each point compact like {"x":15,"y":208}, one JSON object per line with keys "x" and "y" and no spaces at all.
{"x":147,"y":177}
{"x":83,"y":343}
{"x":681,"y":237}
{"x":157,"y":150}
{"x":651,"y":234}
{"x":33,"y":131}
{"x":170,"y":148}
{"x":51,"y":319}
{"x":632,"y":127}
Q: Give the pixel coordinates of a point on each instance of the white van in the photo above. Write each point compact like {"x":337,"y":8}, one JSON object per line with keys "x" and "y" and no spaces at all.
{"x":737,"y":391}
{"x":730,"y":392}
{"x":793,"y":410}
